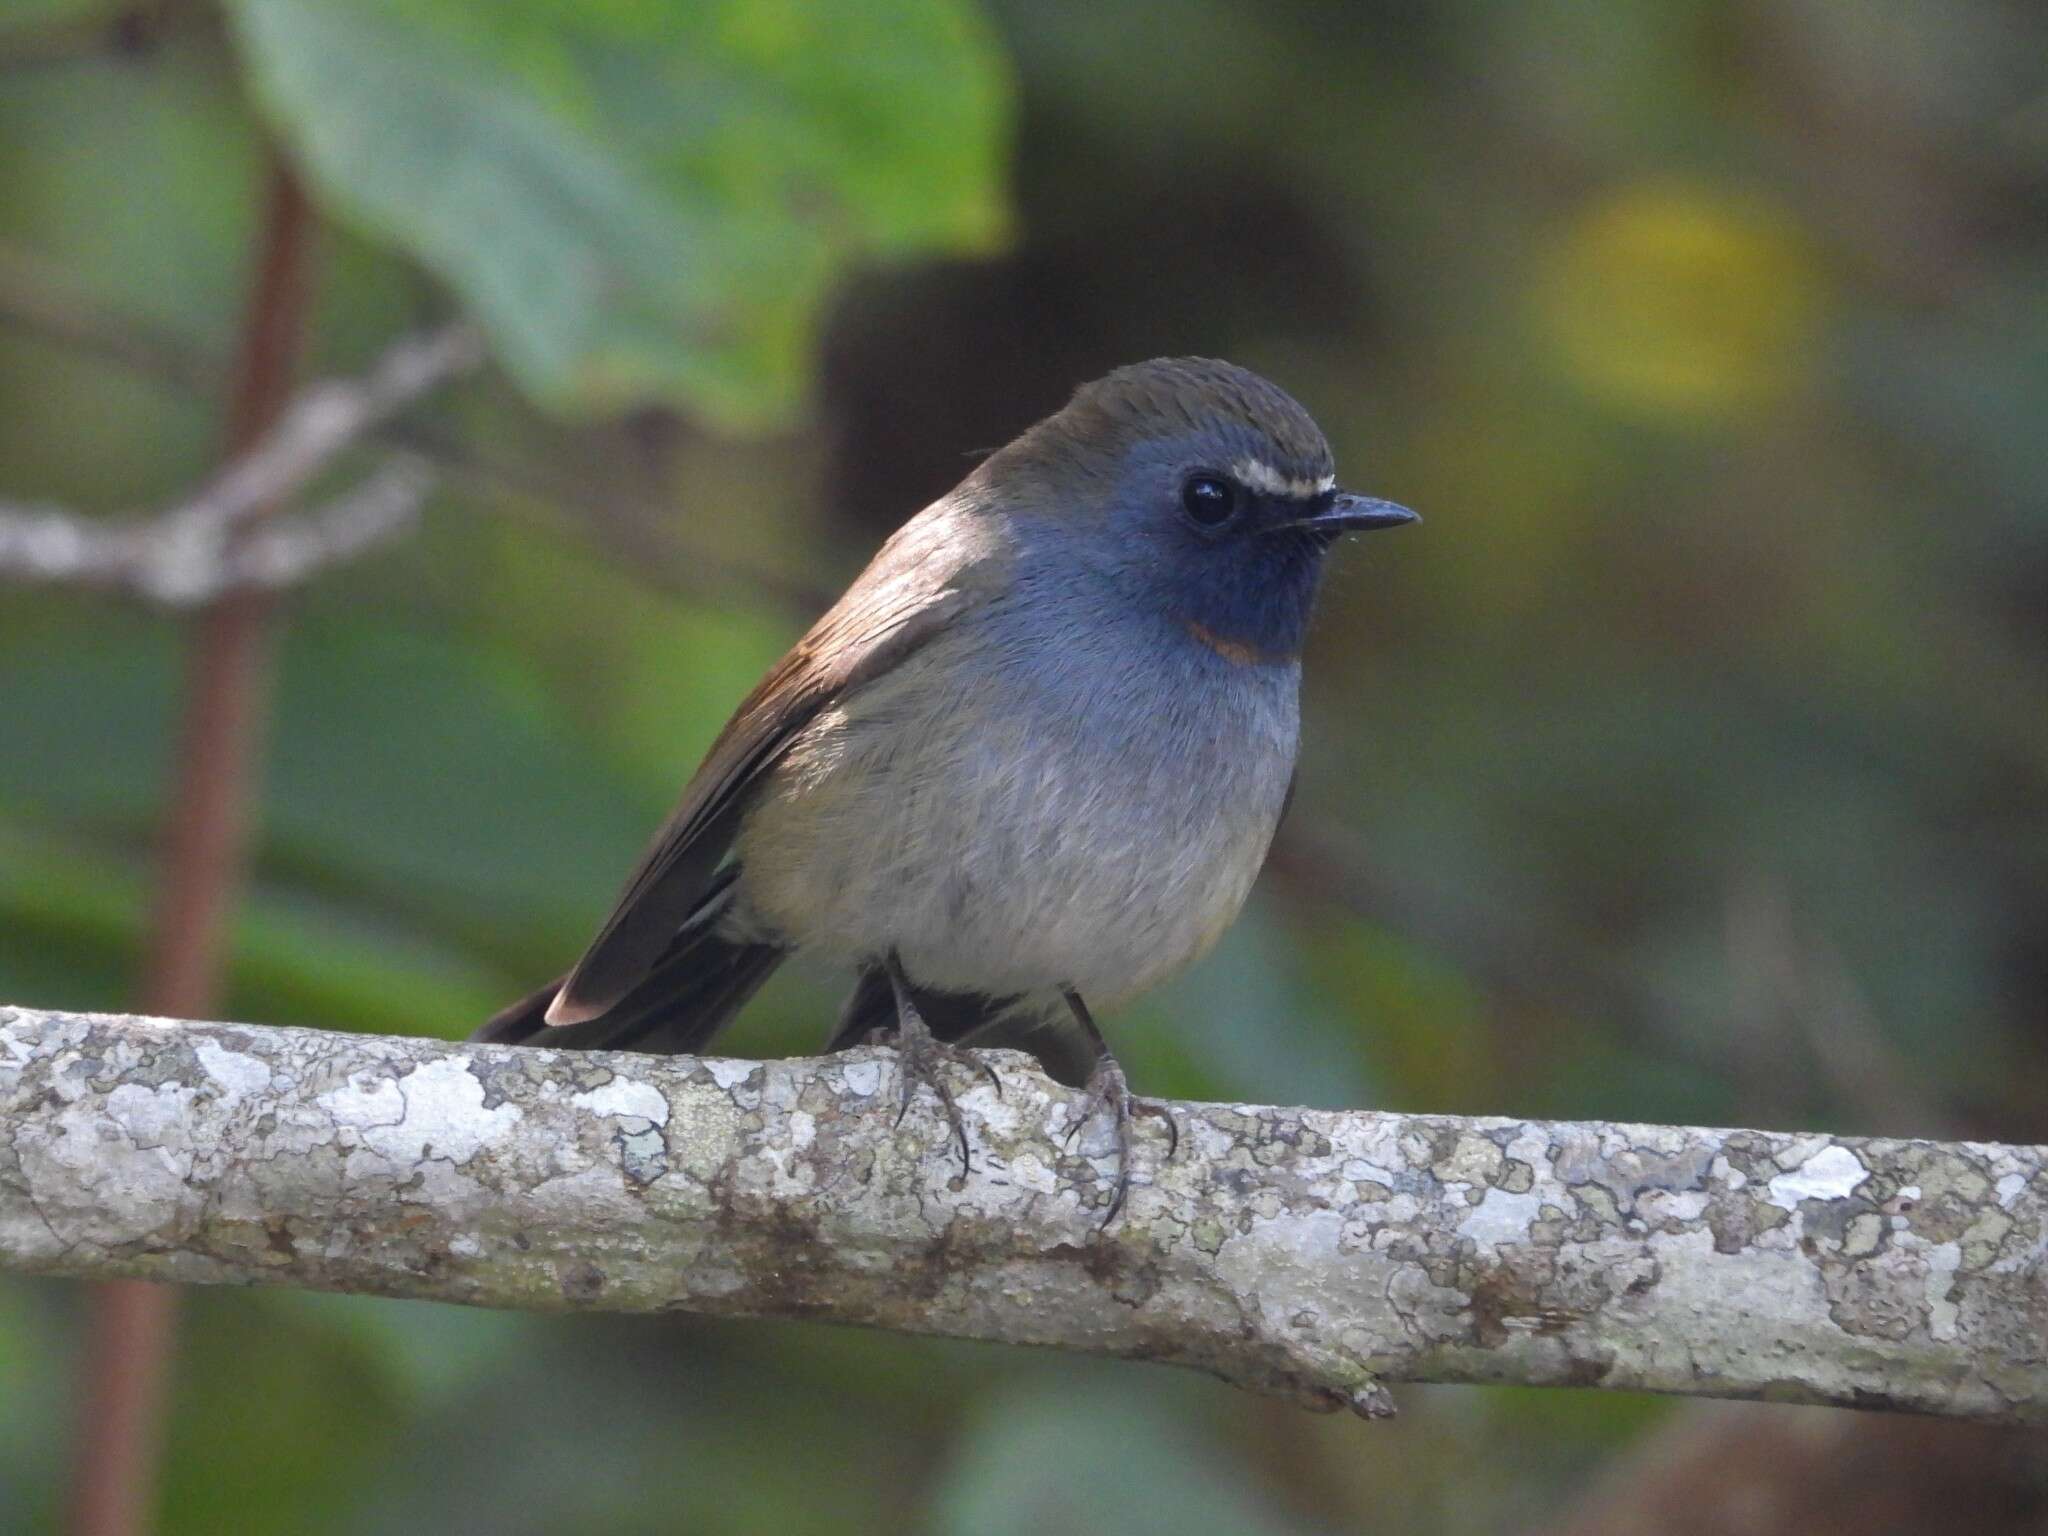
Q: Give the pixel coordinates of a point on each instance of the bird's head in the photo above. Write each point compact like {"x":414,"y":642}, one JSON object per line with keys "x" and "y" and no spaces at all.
{"x":1198,"y":488}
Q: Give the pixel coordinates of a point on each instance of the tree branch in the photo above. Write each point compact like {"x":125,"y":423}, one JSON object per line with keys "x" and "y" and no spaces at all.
{"x":205,"y":548}
{"x":1304,"y":1253}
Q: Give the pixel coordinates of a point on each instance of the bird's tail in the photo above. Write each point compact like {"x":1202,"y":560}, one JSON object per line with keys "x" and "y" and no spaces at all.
{"x":691,"y":994}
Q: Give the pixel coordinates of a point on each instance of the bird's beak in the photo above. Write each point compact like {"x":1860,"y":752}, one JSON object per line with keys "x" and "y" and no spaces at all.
{"x":1355,"y":514}
{"x":1351,"y":513}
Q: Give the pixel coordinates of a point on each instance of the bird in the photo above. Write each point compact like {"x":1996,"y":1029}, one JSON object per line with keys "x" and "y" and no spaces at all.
{"x":1027,"y":767}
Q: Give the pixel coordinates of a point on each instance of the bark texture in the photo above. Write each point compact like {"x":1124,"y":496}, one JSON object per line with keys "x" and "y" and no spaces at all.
{"x":1303,"y":1253}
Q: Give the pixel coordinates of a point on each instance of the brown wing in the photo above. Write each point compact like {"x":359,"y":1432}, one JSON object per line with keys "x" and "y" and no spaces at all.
{"x":912,"y":590}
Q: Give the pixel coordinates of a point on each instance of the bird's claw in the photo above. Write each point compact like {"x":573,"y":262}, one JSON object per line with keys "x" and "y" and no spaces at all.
{"x":920,"y":1055}
{"x":1108,"y":1089}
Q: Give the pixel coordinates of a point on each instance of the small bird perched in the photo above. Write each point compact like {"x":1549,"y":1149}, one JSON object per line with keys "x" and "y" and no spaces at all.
{"x":1035,"y":754}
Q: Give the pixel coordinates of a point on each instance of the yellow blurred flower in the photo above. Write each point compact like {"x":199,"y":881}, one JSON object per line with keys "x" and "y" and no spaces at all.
{"x":1678,"y":301}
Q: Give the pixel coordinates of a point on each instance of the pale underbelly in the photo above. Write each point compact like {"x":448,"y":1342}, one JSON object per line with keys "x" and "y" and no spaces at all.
{"x":1015,"y":857}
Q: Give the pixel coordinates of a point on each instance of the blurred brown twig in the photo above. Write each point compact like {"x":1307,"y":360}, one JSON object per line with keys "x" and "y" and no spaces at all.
{"x":133,"y":1329}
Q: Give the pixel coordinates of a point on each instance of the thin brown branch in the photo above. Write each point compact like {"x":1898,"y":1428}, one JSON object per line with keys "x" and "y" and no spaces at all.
{"x":134,"y":1327}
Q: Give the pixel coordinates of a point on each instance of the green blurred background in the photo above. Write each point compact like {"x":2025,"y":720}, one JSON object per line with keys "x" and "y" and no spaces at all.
{"x":1689,"y":764}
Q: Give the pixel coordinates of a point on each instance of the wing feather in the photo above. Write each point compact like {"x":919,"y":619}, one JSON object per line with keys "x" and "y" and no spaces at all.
{"x":915,"y":587}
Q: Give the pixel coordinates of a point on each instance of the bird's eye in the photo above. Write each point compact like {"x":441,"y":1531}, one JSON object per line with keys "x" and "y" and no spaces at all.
{"x":1209,"y":500}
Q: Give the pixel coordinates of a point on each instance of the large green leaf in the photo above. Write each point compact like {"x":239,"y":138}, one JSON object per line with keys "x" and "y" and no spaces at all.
{"x":643,"y":198}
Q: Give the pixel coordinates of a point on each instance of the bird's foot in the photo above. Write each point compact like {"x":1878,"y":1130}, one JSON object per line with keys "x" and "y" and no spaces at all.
{"x":1108,"y":1089}
{"x":919,"y":1056}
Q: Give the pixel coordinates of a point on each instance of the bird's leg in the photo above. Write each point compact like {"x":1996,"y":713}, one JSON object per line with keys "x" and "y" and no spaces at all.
{"x":919,"y":1053}
{"x":1108,"y":1089}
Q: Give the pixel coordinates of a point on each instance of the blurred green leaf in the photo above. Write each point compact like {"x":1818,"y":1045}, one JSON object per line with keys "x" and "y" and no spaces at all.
{"x":408,"y":773}
{"x":256,"y":1445}
{"x":639,"y":199}
{"x":430,"y":1351}
{"x":1420,"y":1021}
{"x":651,"y":679}
{"x":1966,"y":394}
{"x":33,"y":1354}
{"x":1239,"y":1025}
{"x":431,"y":778}
{"x":1121,"y":1458}
{"x":125,"y":218}
{"x":72,"y":918}
{"x":26,"y":14}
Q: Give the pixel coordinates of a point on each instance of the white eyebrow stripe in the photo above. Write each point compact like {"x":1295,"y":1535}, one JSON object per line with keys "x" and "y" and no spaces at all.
{"x":1268,"y":481}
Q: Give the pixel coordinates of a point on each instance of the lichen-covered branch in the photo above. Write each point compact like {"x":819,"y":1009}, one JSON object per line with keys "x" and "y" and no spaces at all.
{"x":1298,"y":1252}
